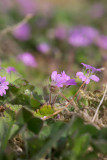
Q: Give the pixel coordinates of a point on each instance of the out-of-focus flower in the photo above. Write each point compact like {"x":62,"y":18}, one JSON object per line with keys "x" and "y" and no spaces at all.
{"x":88,"y":75}
{"x":97,"y":10}
{"x":60,"y":33}
{"x":27,"y":6}
{"x":22,"y":32}
{"x":43,"y":48}
{"x":28,"y":59}
{"x":62,"y":79}
{"x":10,"y":69}
{"x":3,"y":85}
{"x":82,"y":36}
{"x":91,"y":68}
{"x":101,"y":42}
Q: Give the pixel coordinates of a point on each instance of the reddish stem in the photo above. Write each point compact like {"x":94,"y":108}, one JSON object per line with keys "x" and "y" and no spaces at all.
{"x":67,"y":104}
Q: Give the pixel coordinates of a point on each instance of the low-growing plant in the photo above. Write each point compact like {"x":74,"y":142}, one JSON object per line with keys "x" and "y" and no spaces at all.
{"x":71,"y":128}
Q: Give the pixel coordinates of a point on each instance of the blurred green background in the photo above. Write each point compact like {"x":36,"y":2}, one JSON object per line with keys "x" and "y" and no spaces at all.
{"x":48,"y":37}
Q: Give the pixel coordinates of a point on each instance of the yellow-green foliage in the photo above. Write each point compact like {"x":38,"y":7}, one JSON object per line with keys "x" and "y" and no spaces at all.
{"x":44,"y":110}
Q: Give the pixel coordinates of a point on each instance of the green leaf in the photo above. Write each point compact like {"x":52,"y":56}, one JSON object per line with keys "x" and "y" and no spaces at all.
{"x":5,"y":133}
{"x":14,"y":130}
{"x":100,"y":145}
{"x":44,"y":110}
{"x":24,"y":85}
{"x":81,"y":145}
{"x":10,"y":112}
{"x":3,"y":128}
{"x":9,"y":77}
{"x":76,"y":126}
{"x":59,"y":129}
{"x":35,"y":125}
{"x":35,"y":145}
{"x":88,"y":129}
{"x":21,"y":93}
{"x":35,"y":104}
{"x":21,"y":99}
{"x":26,"y":117}
{"x":38,"y":97}
{"x":23,"y":116}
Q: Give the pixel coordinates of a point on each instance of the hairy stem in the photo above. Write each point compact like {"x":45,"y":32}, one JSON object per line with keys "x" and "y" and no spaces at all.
{"x":66,"y":105}
{"x":54,"y":100}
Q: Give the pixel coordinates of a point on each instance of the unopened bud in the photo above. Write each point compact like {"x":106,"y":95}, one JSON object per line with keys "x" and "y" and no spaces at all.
{"x":54,"y":89}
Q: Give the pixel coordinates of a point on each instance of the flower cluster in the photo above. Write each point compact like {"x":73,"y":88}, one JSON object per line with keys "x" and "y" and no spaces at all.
{"x":82,"y":36}
{"x":57,"y":80}
{"x":3,"y":86}
{"x":61,"y":80}
{"x":89,"y":75}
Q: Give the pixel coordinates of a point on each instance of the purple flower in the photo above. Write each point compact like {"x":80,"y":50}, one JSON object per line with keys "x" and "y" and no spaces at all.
{"x":28,"y":59}
{"x":101,"y":42}
{"x":10,"y":69}
{"x":22,"y":32}
{"x":60,"y":33}
{"x":27,"y":6}
{"x":43,"y":48}
{"x":62,"y":79}
{"x":82,"y":36}
{"x":3,"y":85}
{"x":93,"y":69}
{"x":86,"y":77}
{"x":89,"y":74}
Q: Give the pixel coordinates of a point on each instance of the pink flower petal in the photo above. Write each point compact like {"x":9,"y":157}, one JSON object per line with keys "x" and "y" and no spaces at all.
{"x":79,"y":74}
{"x":54,"y":75}
{"x":87,"y":81}
{"x":94,"y":78}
